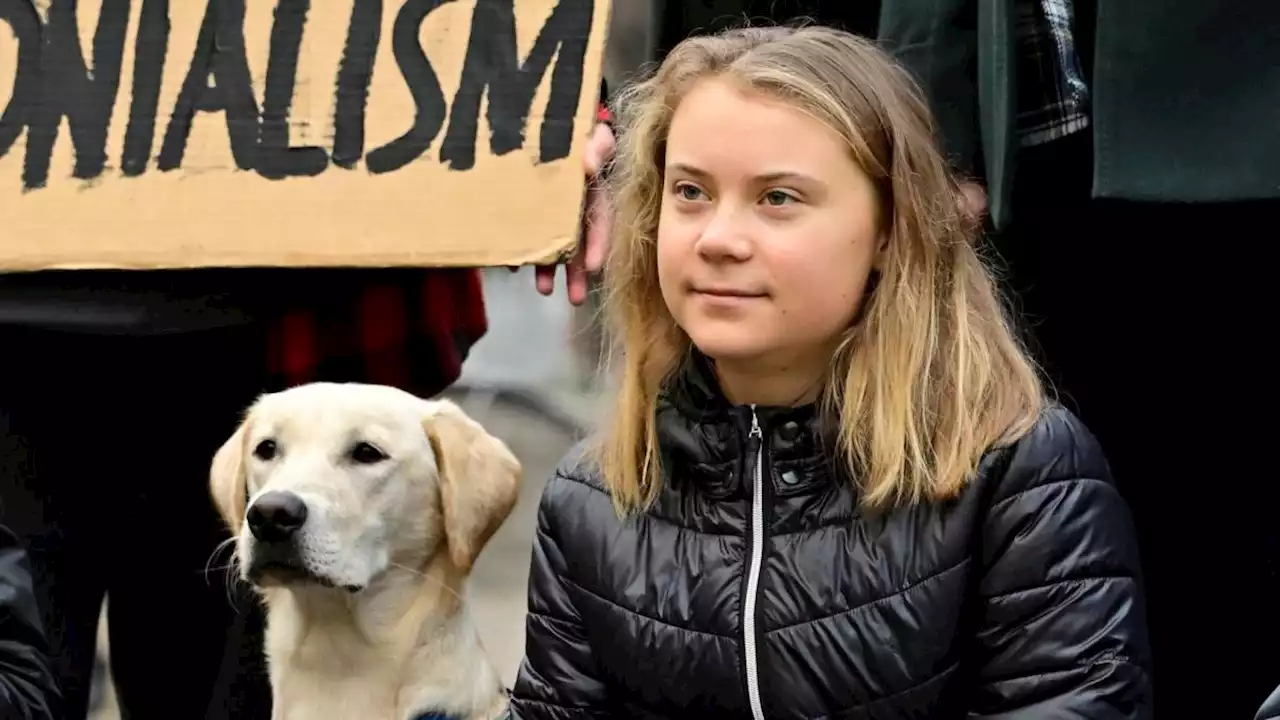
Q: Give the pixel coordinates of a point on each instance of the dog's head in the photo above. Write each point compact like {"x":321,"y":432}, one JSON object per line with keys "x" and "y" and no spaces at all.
{"x":332,"y":484}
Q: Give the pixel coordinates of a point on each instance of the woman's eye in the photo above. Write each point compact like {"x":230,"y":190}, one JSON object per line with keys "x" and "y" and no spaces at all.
{"x":366,"y":454}
{"x":688,"y":192}
{"x":778,"y":197}
{"x":266,"y":450}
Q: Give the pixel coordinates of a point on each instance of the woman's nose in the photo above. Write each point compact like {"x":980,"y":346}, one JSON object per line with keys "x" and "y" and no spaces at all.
{"x":725,"y":238}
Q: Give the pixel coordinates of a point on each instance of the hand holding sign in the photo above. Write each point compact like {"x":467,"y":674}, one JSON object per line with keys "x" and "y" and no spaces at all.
{"x":590,"y":255}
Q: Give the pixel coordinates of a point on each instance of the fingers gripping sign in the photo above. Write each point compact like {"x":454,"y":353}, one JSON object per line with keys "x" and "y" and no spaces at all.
{"x":591,"y":253}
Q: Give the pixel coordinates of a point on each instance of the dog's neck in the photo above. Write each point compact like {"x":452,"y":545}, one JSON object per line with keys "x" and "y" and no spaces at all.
{"x":400,"y":648}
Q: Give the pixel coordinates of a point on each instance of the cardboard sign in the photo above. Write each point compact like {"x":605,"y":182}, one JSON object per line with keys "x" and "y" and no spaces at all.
{"x":198,"y":133}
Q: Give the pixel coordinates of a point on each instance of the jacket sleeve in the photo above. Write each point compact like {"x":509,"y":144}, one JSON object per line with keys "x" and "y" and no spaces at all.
{"x":937,"y":41}
{"x":559,"y":678}
{"x":1063,"y":625}
{"x":27,"y":688}
{"x":1270,"y":709}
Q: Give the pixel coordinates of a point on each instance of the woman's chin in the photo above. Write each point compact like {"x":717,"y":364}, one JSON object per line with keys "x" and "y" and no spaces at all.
{"x":728,"y":348}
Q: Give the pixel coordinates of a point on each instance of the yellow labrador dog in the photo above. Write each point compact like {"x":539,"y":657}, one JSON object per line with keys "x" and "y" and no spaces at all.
{"x":358,"y":512}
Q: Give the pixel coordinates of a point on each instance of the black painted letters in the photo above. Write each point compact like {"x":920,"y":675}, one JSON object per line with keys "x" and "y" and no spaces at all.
{"x":354,"y":75}
{"x":423,"y":84}
{"x":275,"y":158}
{"x":68,"y":89}
{"x":219,"y":57}
{"x":21,"y":16}
{"x":55,"y":82}
{"x":150,"y":51}
{"x":491,"y":61}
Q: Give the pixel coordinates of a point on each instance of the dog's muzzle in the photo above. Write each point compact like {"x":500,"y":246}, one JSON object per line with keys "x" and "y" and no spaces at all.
{"x":275,"y":520}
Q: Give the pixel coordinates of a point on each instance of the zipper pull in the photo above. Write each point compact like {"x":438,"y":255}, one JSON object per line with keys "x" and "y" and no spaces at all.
{"x":755,"y":425}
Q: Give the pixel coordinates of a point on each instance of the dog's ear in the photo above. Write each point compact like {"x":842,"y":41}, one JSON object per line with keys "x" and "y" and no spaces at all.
{"x":228,"y":477}
{"x":479,"y":480}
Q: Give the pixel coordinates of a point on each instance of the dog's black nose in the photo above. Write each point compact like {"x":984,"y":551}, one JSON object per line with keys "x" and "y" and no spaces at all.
{"x":276,"y":516}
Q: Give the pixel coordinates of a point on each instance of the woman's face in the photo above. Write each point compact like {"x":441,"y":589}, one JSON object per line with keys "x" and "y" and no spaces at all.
{"x":768,"y":231}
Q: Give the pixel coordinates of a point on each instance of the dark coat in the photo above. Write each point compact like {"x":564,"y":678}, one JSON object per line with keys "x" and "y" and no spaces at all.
{"x":1185,"y":93}
{"x":27,"y":687}
{"x":756,"y":568}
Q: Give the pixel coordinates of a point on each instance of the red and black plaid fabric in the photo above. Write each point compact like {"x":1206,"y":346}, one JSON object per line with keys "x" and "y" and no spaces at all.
{"x":413,"y":333}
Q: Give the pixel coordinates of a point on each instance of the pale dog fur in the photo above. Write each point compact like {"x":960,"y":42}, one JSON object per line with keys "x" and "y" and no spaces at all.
{"x":398,"y":539}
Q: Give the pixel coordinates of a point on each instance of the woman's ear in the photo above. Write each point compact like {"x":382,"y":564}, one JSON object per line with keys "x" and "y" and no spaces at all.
{"x":882,"y":252}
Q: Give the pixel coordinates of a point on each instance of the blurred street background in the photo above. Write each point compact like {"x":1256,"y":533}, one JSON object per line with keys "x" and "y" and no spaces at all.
{"x":532,"y":381}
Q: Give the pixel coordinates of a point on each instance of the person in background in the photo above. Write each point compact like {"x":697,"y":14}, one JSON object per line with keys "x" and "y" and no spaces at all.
{"x":832,"y":482}
{"x":27,"y":688}
{"x":678,"y":20}
{"x":1129,"y":154}
{"x":118,"y":388}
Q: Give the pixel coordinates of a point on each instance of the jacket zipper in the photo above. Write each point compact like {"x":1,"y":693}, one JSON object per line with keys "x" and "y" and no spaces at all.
{"x":755,"y":444}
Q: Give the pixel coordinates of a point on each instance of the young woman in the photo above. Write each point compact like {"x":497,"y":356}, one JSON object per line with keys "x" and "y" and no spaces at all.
{"x":832,"y":485}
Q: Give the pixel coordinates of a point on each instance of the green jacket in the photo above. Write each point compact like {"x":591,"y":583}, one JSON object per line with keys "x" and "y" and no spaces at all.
{"x":1186,"y":93}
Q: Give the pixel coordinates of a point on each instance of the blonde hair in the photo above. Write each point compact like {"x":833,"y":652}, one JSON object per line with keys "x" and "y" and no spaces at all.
{"x":930,"y":378}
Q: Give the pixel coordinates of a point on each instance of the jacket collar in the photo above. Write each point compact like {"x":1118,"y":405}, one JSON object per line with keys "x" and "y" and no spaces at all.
{"x":705,"y":435}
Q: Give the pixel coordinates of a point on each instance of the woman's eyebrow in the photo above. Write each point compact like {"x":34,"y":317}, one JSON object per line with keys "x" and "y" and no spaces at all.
{"x":762,"y":178}
{"x":785,"y":176}
{"x":687,"y":169}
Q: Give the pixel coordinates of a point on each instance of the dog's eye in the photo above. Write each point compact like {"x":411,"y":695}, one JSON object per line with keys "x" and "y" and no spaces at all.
{"x":366,"y":454}
{"x":266,"y":450}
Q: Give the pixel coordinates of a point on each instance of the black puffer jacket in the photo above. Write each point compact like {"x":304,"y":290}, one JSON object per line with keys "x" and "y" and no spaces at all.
{"x":771,"y":596}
